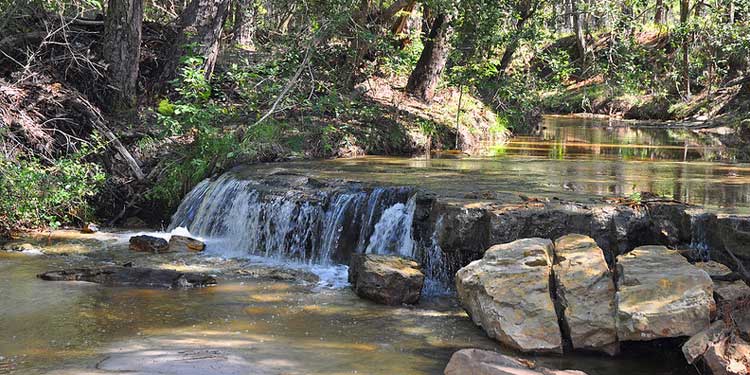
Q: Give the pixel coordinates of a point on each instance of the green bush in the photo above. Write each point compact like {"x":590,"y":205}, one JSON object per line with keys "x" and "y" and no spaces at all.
{"x":36,"y":195}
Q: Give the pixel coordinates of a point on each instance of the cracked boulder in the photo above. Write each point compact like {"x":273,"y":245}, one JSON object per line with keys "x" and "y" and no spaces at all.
{"x":585,"y":294}
{"x":507,"y":293}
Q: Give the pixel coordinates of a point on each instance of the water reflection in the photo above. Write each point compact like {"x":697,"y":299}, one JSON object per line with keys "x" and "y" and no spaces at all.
{"x":561,"y":138}
{"x":573,"y":159}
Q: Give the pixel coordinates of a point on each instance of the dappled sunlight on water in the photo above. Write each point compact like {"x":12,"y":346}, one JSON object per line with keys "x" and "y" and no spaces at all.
{"x":570,"y":159}
{"x":240,"y":326}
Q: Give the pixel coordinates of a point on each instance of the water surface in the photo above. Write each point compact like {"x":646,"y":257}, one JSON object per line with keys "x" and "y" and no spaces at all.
{"x":267,"y":326}
{"x":582,"y":160}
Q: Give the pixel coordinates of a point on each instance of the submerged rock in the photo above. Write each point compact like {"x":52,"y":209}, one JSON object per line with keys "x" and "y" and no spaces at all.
{"x":134,"y":277}
{"x":507,"y":293}
{"x":484,"y":362}
{"x":721,"y":348}
{"x":280,"y":274}
{"x":148,"y":244}
{"x":661,"y":295}
{"x":183,"y":243}
{"x":385,"y":279}
{"x":586,"y":294}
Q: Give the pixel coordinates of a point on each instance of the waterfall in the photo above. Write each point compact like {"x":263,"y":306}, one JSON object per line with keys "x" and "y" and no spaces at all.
{"x":700,"y":227}
{"x":242,"y":217}
{"x":392,"y":233}
{"x":435,"y":263}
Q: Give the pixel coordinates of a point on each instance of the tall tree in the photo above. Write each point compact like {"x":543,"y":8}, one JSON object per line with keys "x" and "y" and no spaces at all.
{"x":526,"y":9}
{"x":684,"y":15}
{"x":122,"y":50}
{"x":426,"y":74}
{"x":244,"y":22}
{"x":659,"y":14}
{"x":578,"y":27}
{"x":199,"y":33}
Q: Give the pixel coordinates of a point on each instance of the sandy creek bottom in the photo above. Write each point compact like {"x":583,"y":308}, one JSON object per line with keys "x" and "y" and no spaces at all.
{"x":245,"y":325}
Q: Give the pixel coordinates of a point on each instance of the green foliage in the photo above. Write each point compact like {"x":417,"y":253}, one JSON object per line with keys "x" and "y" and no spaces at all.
{"x":197,"y":113}
{"x":36,"y":195}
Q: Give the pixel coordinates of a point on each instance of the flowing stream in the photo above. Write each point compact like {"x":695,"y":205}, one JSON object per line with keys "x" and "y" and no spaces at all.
{"x":322,"y":327}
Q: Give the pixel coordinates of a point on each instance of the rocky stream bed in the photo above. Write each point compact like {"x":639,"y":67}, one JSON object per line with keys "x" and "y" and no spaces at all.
{"x":277,"y":245}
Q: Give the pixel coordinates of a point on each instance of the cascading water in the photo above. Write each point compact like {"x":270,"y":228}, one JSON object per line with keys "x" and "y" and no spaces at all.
{"x":392,"y":233}
{"x":435,"y":264}
{"x":699,"y":241}
{"x":318,"y":226}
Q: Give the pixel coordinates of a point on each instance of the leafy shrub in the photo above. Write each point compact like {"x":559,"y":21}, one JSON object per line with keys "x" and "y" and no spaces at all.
{"x":35,"y":195}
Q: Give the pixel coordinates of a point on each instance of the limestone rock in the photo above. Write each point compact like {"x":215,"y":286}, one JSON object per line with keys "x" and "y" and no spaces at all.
{"x":724,"y":291}
{"x":586,"y":293}
{"x":183,"y":243}
{"x":386,"y":279}
{"x":661,"y":295}
{"x":722,"y":350}
{"x":731,"y":291}
{"x":134,"y":277}
{"x":484,"y":362}
{"x":148,"y":244}
{"x":714,"y":269}
{"x":508,"y":293}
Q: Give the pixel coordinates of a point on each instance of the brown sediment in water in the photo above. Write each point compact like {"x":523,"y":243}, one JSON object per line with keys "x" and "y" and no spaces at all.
{"x":254,"y":324}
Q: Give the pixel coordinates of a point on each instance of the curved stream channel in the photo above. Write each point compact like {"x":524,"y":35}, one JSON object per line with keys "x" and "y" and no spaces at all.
{"x":259,"y":325}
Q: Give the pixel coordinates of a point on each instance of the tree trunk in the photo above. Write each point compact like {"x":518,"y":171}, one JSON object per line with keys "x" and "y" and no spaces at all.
{"x":244,"y":23}
{"x":730,"y":12}
{"x":698,"y":8}
{"x":426,"y":74}
{"x":659,"y":15}
{"x":122,"y":50}
{"x":684,"y":15}
{"x":525,"y":14}
{"x":199,"y":33}
{"x":568,"y":12}
{"x":579,"y":29}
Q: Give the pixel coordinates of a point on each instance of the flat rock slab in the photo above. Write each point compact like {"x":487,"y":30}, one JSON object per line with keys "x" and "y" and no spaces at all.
{"x":134,"y":277}
{"x":586,"y":294}
{"x":725,"y":291}
{"x":148,"y":244}
{"x":386,"y":279}
{"x":661,"y":295}
{"x":507,"y":293}
{"x":484,"y":362}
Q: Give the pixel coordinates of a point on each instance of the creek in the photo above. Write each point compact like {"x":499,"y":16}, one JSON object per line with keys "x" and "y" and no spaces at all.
{"x":310,"y":216}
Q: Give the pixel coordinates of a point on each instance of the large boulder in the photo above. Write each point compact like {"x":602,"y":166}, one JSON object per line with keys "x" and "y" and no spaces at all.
{"x":586,"y":294}
{"x":133,"y":277}
{"x":661,"y":295}
{"x":507,"y":293}
{"x":386,"y":279}
{"x":484,"y":362}
{"x":179,"y":243}
{"x":148,"y":244}
{"x":721,"y":348}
